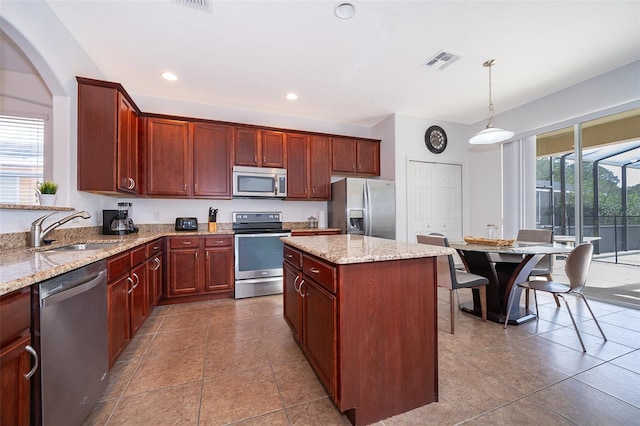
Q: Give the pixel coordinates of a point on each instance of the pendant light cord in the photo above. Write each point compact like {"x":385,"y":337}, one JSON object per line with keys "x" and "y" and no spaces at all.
{"x":489,"y":64}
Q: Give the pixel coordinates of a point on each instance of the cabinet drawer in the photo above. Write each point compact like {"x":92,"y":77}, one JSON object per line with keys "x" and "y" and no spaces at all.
{"x":154,"y":247}
{"x":184,"y":242}
{"x":15,"y":315}
{"x":320,"y":272}
{"x":219,"y":241}
{"x":293,"y":256}
{"x":118,"y":265}
{"x":138,"y":255}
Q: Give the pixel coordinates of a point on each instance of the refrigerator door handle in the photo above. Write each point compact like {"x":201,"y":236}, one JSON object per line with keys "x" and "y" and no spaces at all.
{"x":367,"y":209}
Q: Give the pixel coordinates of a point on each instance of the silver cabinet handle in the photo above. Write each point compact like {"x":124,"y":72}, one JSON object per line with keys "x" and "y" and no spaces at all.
{"x":132,"y":183}
{"x":132,"y":286}
{"x":156,"y":247}
{"x":290,"y":256}
{"x":157,"y":261}
{"x":314,"y":270}
{"x":295,"y":284}
{"x":301,"y":293}
{"x":185,"y":243}
{"x":33,"y":353}
{"x":137,"y":280}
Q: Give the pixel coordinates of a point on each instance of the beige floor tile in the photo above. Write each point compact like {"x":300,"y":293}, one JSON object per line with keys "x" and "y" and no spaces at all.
{"x":614,"y":333}
{"x":167,"y":406}
{"x":137,"y":347}
{"x":520,"y":413}
{"x":321,"y":412}
{"x":228,"y":313}
{"x":616,"y":381}
{"x":119,"y":377}
{"x":151,"y":325}
{"x":625,"y":319}
{"x":100,"y":413}
{"x":182,"y":308}
{"x":267,"y":307}
{"x":184,"y":320}
{"x":273,"y":325}
{"x":277,"y":418}
{"x":438,"y":413}
{"x":164,"y":370}
{"x":582,"y":404}
{"x":234,"y":355}
{"x":595,"y":345}
{"x":282,"y":349}
{"x":297,"y":383}
{"x":234,"y":330}
{"x":179,"y":340}
{"x":238,"y":396}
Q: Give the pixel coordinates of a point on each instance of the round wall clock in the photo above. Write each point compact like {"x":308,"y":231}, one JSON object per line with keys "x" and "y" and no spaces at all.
{"x":436,"y":139}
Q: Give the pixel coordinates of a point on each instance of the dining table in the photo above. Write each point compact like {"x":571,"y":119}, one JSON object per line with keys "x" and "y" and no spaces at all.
{"x":505,"y":267}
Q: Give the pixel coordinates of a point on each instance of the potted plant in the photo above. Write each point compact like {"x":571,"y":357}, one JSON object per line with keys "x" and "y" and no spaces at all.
{"x":47,"y":193}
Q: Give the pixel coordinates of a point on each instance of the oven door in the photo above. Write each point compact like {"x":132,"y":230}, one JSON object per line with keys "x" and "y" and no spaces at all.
{"x":259,"y":255}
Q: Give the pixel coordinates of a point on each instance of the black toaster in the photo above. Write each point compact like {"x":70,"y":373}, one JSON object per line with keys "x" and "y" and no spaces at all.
{"x":186,"y":224}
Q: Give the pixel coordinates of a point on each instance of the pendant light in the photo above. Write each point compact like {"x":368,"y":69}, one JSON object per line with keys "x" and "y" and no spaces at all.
{"x":490,"y":134}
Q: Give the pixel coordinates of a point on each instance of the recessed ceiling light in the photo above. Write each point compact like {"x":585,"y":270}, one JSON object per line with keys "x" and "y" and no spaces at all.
{"x":292,"y":96}
{"x":345,"y":10}
{"x":169,"y":76}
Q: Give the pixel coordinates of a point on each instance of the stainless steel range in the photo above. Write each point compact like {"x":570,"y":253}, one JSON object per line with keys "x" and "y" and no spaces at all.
{"x":258,"y":253}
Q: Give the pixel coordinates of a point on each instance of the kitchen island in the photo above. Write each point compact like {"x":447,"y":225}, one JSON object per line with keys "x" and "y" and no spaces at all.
{"x":364,"y":311}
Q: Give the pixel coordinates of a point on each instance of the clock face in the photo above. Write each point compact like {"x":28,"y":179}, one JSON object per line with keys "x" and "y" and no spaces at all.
{"x":436,"y":139}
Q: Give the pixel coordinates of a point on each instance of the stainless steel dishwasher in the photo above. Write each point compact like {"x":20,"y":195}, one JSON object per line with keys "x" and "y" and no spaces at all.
{"x":73,"y":344}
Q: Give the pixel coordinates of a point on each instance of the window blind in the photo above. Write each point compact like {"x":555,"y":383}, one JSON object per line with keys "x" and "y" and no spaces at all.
{"x":21,"y":158}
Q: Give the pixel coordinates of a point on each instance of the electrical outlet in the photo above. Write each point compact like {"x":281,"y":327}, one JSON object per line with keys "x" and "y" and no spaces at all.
{"x":156,"y":216}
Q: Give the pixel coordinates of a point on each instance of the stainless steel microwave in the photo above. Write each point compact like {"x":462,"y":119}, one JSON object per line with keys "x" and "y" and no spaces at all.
{"x":259,"y":182}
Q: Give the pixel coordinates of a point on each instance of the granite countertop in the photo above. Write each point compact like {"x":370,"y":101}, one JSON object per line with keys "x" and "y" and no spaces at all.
{"x":27,"y":266}
{"x":345,"y":249}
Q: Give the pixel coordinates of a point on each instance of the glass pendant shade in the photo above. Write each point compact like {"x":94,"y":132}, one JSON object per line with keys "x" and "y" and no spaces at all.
{"x":491,"y":135}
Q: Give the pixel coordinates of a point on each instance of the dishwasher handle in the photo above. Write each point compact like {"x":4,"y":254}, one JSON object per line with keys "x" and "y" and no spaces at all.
{"x":74,"y":291}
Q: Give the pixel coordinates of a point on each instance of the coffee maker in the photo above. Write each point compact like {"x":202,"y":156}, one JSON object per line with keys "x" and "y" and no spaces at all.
{"x":118,"y":222}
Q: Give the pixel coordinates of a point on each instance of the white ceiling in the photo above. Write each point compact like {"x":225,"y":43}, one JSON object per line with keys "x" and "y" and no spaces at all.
{"x":249,"y":54}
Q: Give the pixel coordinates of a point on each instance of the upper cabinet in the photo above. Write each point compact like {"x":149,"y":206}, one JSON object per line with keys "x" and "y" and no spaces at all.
{"x":354,"y":156}
{"x":107,"y":139}
{"x":259,"y":148}
{"x":212,"y":147}
{"x":308,"y":167}
{"x":168,"y":160}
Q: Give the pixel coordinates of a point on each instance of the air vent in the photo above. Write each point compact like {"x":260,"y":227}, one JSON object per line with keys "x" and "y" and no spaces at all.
{"x":441,"y":60}
{"x":203,"y":5}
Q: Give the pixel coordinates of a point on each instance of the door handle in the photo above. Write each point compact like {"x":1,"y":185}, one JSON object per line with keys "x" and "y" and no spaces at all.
{"x":33,"y":353}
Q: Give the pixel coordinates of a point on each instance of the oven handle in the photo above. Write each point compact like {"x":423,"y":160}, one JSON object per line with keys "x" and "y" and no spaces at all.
{"x":260,"y":280}
{"x":264,"y":234}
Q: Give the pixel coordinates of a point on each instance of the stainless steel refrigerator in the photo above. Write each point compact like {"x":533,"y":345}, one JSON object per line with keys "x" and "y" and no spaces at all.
{"x":364,"y":207}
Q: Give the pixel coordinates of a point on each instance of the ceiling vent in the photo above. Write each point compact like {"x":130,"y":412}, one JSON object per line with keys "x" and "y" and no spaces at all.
{"x":203,"y":5}
{"x":441,"y":60}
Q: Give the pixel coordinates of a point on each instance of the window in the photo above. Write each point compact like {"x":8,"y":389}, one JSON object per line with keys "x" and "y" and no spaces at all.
{"x":21,"y":158}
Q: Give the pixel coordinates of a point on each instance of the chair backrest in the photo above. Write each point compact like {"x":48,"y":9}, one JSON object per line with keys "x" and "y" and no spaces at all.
{"x":577,"y":266}
{"x":446,"y":269}
{"x":545,"y":265}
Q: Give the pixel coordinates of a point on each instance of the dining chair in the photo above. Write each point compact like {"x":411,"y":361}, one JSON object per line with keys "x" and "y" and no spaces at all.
{"x":577,"y":270}
{"x":544,"y":267}
{"x":453,"y":279}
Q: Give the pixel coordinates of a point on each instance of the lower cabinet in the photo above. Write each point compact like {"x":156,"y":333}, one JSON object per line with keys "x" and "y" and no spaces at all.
{"x":200,"y":267}
{"x":154,"y":272}
{"x":292,"y":299}
{"x":15,"y":357}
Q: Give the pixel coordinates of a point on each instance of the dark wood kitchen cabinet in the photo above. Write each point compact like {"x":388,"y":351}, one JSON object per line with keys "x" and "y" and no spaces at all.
{"x":308,"y":167}
{"x":259,"y":148}
{"x":15,"y":358}
{"x":139,"y":289}
{"x":356,"y":157}
{"x":292,"y":277}
{"x":107,"y":139}
{"x":201,"y":267}
{"x":154,"y":272}
{"x":167,"y":157}
{"x":212,"y":148}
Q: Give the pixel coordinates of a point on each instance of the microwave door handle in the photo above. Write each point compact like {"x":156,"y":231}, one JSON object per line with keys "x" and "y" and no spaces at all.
{"x":275,"y":193}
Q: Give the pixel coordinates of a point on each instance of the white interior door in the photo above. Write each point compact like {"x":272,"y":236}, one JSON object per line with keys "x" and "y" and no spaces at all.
{"x":434,"y":199}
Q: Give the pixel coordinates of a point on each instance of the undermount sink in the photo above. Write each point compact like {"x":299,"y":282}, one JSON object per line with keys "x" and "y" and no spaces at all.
{"x":81,"y":246}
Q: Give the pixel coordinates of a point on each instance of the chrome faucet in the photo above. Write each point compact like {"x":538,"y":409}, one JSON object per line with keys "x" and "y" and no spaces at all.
{"x":36,"y":236}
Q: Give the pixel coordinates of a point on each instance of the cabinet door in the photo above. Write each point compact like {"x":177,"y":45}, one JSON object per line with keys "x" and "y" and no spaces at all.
{"x":343,"y":157}
{"x":297,"y":166}
{"x":319,"y":168}
{"x":245,"y":147}
{"x":319,"y":331}
{"x":218,"y":272}
{"x":292,"y":300}
{"x":212,"y":145}
{"x":15,"y":363}
{"x":154,"y":278}
{"x":168,"y":159}
{"x":118,"y":317}
{"x":273,"y":149}
{"x":368,"y":157}
{"x":138,"y":297}
{"x":184,"y":272}
{"x":127,"y":151}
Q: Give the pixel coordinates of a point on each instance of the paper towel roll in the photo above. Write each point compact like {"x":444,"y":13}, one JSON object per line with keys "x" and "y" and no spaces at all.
{"x":322,"y":219}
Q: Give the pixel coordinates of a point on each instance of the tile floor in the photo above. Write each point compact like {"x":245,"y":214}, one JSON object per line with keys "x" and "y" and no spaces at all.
{"x":235,"y":362}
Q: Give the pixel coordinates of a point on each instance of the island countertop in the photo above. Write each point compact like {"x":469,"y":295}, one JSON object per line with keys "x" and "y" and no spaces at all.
{"x":346,"y":249}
